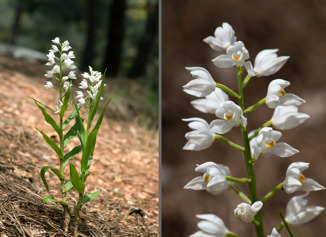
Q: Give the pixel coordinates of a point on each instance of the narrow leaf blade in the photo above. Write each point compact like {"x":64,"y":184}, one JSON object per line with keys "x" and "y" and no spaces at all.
{"x":71,"y":155}
{"x":75,"y":180}
{"x":65,"y":103}
{"x":50,"y":120}
{"x":54,"y":146}
{"x":52,"y":199}
{"x":88,"y":150}
{"x":89,"y":197}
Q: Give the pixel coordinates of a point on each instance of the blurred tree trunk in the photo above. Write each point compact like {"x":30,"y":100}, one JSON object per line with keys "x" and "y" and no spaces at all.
{"x":16,"y":23}
{"x":115,"y":37}
{"x":90,"y":40}
{"x":148,"y":38}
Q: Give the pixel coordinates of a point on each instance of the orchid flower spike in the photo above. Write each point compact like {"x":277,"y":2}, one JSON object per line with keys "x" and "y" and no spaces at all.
{"x":202,"y":84}
{"x":231,"y":115}
{"x":246,"y":213}
{"x":211,"y":102}
{"x":213,"y":178}
{"x":266,"y":143}
{"x":201,"y":138}
{"x":211,"y":225}
{"x":276,"y":95}
{"x":274,"y":233}
{"x":295,"y":180}
{"x":223,"y":37}
{"x":236,"y":55}
{"x":287,"y":117}
{"x":297,"y":211}
{"x":266,"y":63}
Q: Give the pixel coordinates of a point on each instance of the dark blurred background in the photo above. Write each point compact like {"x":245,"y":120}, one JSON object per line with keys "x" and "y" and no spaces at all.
{"x":297,"y":29}
{"x":120,"y":35}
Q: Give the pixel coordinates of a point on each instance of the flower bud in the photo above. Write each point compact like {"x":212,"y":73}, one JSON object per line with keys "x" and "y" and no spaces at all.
{"x":246,"y":213}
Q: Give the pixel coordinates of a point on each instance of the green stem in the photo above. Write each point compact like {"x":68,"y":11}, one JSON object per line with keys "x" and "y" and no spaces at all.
{"x":280,"y":227}
{"x":227,"y":90}
{"x":77,"y":215}
{"x":230,"y":143}
{"x":246,"y":80}
{"x":237,"y":180}
{"x":271,"y":193}
{"x":240,"y":193}
{"x":229,"y":233}
{"x":267,"y":124}
{"x":255,"y":106}
{"x":247,"y":156}
{"x":286,"y":225}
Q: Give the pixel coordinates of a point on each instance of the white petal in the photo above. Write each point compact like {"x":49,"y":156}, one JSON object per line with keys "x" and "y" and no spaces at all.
{"x":249,"y":68}
{"x":291,"y":185}
{"x":197,"y":124}
{"x":311,"y":185}
{"x":220,"y":126}
{"x":284,"y":150}
{"x":291,"y":99}
{"x":203,"y":167}
{"x":196,"y":184}
{"x":223,"y":61}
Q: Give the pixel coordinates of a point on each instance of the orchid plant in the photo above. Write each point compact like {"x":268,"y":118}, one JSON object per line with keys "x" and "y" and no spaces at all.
{"x":61,"y":76}
{"x":214,"y":99}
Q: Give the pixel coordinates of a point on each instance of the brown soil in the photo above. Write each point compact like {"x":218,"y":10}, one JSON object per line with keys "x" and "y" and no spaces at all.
{"x":125,"y":167}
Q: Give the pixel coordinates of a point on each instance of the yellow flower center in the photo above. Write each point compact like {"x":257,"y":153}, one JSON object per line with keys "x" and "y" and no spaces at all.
{"x":229,"y":115}
{"x":235,"y":58}
{"x":281,"y":93}
{"x":207,"y":178}
{"x":302,"y":179}
{"x":270,"y":145}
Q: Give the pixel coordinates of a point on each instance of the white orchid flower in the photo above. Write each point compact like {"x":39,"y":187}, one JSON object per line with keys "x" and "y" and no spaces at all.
{"x":202,"y":84}
{"x":266,"y":63}
{"x":235,"y":55}
{"x":295,"y":180}
{"x":230,"y":115}
{"x":276,"y":95}
{"x":266,"y":143}
{"x":223,"y":37}
{"x":211,"y":225}
{"x":48,"y":85}
{"x":297,"y":211}
{"x":56,"y":40}
{"x":246,"y":212}
{"x":287,"y":117}
{"x":211,"y":102}
{"x":274,"y":233}
{"x":201,"y":138}
{"x":213,"y":178}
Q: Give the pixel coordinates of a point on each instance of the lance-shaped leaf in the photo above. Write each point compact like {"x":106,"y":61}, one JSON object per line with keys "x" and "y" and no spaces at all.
{"x":55,"y":171}
{"x":71,"y":155}
{"x":79,"y":124}
{"x":68,"y":186}
{"x":65,"y":103}
{"x":55,"y":147}
{"x":94,"y":105}
{"x":45,"y":106}
{"x":71,"y":133}
{"x":75,"y":180}
{"x":70,"y":117}
{"x":88,"y":149}
{"x":89,"y":197}
{"x":51,"y":199}
{"x":50,"y":120}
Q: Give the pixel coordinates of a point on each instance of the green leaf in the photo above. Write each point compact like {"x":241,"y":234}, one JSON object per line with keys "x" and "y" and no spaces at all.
{"x":94,"y":104}
{"x":89,"y":163}
{"x":51,"y":199}
{"x":69,"y":135}
{"x":71,"y":155}
{"x":68,"y":186}
{"x":75,"y":180}
{"x":55,"y":147}
{"x":65,"y":103}
{"x":50,"y":120}
{"x":55,"y":171}
{"x":70,"y":117}
{"x":88,"y":149}
{"x":42,"y":104}
{"x":79,"y":124}
{"x":100,"y":119}
{"x":89,"y":197}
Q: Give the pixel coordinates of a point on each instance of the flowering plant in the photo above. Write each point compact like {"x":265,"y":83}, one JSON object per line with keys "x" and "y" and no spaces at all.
{"x":60,"y":57}
{"x":263,"y":141}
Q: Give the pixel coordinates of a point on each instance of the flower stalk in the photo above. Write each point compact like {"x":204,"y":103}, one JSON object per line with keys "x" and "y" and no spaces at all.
{"x":272,"y":192}
{"x":230,"y":143}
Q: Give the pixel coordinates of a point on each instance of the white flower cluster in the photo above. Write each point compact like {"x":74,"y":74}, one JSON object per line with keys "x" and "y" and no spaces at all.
{"x":215,"y":101}
{"x":92,"y":82}
{"x":60,"y":62}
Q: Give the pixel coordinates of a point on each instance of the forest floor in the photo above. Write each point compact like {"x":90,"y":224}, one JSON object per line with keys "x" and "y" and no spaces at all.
{"x":125,"y":168}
